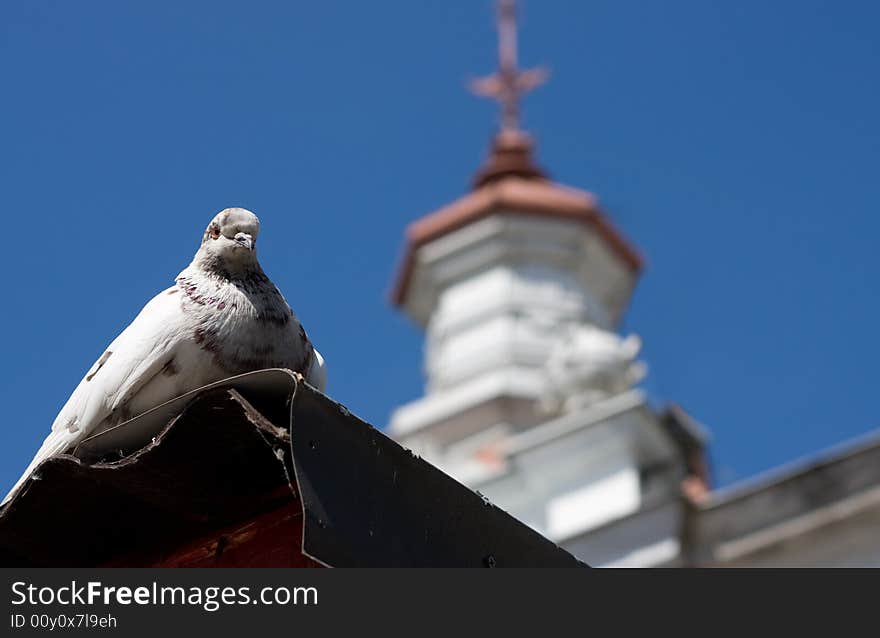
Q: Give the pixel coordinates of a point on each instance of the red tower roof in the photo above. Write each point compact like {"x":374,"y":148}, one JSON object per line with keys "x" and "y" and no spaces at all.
{"x":510,"y":182}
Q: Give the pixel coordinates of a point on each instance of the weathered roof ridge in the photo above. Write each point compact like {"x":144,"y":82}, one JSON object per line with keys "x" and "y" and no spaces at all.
{"x":243,"y":447}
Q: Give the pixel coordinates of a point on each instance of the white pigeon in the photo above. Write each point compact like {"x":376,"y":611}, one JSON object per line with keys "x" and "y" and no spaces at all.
{"x":222,"y":317}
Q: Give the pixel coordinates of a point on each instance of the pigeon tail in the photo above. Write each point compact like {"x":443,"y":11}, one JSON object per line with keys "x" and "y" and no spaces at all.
{"x":317,"y":375}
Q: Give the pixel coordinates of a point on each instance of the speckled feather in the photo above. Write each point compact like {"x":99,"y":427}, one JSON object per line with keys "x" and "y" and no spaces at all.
{"x":222,"y":317}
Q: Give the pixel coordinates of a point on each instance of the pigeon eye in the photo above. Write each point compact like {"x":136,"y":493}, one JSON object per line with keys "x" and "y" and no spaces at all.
{"x":215,"y":232}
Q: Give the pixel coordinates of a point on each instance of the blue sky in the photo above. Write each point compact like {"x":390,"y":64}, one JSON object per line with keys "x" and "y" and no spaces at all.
{"x":736,"y":144}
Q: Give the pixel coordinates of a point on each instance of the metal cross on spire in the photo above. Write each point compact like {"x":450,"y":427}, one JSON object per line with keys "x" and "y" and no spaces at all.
{"x":509,"y":83}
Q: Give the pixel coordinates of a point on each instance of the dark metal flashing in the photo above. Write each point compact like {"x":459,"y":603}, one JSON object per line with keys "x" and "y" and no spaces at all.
{"x":241,"y":447}
{"x":369,"y":502}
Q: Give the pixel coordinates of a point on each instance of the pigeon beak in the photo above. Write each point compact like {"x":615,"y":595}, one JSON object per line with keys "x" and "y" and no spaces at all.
{"x":244,"y":240}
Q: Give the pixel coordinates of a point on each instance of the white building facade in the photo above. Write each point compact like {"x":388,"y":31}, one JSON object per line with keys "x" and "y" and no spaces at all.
{"x":530,"y":395}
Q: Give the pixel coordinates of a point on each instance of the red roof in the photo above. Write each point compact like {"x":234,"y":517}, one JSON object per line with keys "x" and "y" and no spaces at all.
{"x":530,"y":195}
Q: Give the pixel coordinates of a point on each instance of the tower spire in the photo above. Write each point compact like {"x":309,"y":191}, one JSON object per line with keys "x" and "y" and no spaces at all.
{"x":511,"y":152}
{"x":509,"y":83}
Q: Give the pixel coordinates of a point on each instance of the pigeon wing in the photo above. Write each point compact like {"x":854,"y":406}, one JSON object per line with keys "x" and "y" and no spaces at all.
{"x":129,"y":362}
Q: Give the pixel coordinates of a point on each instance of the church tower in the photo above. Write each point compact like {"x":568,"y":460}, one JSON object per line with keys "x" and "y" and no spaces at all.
{"x":520,"y":286}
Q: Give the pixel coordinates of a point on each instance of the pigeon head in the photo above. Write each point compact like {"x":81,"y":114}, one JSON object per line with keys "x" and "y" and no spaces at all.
{"x":230,"y":240}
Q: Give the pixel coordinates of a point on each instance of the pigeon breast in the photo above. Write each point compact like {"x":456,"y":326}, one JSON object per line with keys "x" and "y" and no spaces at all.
{"x":243,"y":324}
